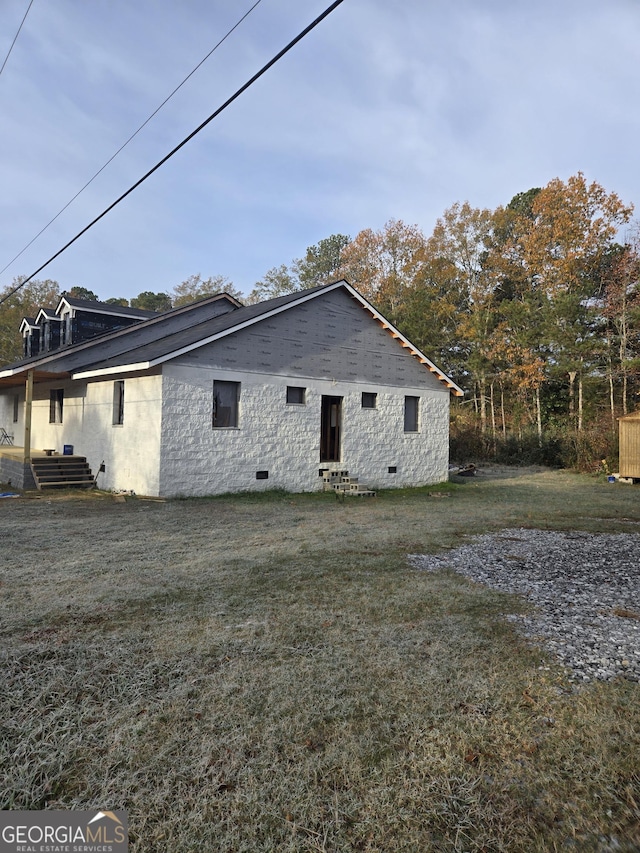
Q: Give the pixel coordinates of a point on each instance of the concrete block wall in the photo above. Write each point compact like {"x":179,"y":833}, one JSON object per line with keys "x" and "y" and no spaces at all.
{"x":284,"y":439}
{"x":272,"y":436}
{"x":15,"y":473}
{"x":374,"y":440}
{"x":131,"y":450}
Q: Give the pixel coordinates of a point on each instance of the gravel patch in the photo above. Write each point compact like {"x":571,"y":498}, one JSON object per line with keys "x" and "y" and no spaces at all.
{"x":585,"y":588}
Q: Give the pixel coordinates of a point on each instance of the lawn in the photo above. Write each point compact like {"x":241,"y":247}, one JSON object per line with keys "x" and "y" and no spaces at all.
{"x":268,"y":673}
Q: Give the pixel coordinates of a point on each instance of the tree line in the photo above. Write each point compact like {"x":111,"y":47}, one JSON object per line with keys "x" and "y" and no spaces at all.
{"x":533,"y":308}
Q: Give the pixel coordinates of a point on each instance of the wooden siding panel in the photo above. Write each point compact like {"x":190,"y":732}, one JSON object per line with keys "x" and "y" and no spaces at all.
{"x":630,"y":446}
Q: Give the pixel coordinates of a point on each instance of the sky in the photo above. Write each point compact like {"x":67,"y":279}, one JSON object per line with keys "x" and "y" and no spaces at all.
{"x":386,"y":110}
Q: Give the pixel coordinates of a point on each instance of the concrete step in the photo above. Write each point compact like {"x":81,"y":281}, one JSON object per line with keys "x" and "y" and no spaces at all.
{"x":342,"y":484}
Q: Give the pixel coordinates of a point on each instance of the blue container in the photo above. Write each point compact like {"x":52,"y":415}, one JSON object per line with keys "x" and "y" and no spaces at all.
{"x":67,"y":450}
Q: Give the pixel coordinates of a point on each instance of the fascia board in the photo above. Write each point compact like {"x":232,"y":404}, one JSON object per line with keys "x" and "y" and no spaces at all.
{"x":111,"y":371}
{"x":60,"y":302}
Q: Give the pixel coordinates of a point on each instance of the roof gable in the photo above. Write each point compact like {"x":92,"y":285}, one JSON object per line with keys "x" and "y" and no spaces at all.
{"x":46,"y":314}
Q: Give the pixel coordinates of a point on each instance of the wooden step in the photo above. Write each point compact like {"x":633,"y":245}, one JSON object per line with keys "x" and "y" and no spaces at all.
{"x":66,"y":484}
{"x":62,"y":472}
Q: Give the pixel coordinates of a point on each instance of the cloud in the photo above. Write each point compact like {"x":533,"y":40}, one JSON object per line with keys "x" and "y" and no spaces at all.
{"x":385,"y":110}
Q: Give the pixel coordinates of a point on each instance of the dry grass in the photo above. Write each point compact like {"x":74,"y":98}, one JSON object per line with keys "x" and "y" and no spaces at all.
{"x":266,"y":673}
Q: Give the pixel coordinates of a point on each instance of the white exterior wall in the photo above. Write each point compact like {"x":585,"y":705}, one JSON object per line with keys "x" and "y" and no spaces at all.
{"x":285,"y":439}
{"x":374,"y":440}
{"x":130,"y":451}
{"x":6,"y":413}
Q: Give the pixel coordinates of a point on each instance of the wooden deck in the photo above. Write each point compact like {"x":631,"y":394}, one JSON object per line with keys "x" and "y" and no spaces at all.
{"x":45,"y":469}
{"x":13,"y":451}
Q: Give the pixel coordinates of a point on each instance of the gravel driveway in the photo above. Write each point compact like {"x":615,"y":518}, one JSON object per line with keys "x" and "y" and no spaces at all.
{"x":585,"y":588}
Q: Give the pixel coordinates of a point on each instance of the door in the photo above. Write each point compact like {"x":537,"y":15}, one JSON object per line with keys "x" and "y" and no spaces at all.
{"x":330,"y":422}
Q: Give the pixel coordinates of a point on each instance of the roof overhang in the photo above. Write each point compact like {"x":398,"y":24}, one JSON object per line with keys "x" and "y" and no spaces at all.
{"x":18,"y":379}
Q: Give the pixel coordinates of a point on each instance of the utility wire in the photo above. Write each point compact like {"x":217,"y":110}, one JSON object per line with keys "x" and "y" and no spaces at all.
{"x":16,"y":36}
{"x":133,"y":135}
{"x":180,"y":145}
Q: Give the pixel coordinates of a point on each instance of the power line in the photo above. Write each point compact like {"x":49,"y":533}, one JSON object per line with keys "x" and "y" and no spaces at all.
{"x":180,"y":145}
{"x":133,"y":135}
{"x":15,"y":38}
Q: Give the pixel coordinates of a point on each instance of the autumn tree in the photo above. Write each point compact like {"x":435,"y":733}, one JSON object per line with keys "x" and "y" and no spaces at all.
{"x":573,"y":227}
{"x":517,"y":338}
{"x":82,"y":293}
{"x":26,"y":302}
{"x":621,"y":310}
{"x":277,"y":281}
{"x":383,"y":265}
{"x":430,"y":315}
{"x":460,"y":242}
{"x":320,"y":265}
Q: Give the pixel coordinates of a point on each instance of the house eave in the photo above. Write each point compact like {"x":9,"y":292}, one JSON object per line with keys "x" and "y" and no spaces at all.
{"x":112,"y":371}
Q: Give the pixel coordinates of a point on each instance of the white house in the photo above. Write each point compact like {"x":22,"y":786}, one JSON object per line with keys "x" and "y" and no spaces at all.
{"x":217,"y":397}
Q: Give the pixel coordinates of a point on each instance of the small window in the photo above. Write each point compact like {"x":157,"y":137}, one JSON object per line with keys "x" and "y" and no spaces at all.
{"x":56,"y":400}
{"x":369,"y":400}
{"x":296,"y":395}
{"x":118,"y":402}
{"x":16,"y":408}
{"x":411,"y":414}
{"x":225,"y":404}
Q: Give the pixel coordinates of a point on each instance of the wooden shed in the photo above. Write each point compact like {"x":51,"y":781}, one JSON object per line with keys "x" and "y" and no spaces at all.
{"x":630,"y":445}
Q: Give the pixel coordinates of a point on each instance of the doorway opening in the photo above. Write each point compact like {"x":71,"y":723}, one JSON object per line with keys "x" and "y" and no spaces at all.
{"x":330,"y":427}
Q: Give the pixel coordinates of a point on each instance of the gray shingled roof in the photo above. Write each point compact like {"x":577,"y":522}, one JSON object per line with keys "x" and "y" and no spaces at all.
{"x":153,"y":338}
